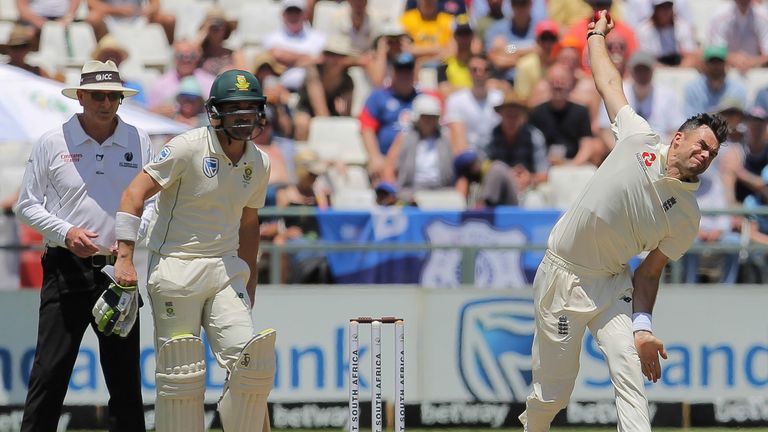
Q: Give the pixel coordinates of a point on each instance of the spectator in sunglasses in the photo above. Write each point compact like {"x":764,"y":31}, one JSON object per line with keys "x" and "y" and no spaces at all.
{"x":217,"y":58}
{"x":186,"y":58}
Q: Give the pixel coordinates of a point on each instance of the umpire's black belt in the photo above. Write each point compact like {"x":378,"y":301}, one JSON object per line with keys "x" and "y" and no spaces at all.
{"x":97,"y":261}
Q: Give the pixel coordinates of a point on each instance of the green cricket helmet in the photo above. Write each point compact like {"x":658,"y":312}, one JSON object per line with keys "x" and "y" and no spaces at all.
{"x":236,"y":86}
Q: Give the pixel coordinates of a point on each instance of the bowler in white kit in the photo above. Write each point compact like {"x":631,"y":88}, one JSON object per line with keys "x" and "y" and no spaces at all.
{"x":640,"y":199}
{"x":202,"y":266}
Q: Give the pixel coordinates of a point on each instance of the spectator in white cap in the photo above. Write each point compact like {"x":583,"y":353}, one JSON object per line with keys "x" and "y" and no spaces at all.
{"x":389,"y":44}
{"x":70,"y":193}
{"x":669,"y":39}
{"x":421,"y":156}
{"x":295,"y":44}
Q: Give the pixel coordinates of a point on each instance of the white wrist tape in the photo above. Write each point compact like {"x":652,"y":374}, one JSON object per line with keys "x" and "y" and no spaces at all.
{"x":127,"y":226}
{"x":641,"y":321}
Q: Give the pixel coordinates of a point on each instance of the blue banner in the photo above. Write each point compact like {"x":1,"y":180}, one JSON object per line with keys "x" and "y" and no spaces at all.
{"x":502,"y":226}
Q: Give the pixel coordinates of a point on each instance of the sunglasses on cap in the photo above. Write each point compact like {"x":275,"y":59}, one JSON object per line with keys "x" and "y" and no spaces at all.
{"x":101,"y":96}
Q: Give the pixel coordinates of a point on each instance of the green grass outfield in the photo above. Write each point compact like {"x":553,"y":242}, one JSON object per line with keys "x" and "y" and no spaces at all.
{"x":579,"y":429}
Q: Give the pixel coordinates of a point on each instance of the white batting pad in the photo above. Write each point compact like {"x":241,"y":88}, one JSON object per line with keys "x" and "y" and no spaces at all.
{"x":180,"y":379}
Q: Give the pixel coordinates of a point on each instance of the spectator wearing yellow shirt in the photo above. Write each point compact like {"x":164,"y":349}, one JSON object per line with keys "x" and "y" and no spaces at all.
{"x":453,"y":73}
{"x":532,"y":66}
{"x":430,"y":30}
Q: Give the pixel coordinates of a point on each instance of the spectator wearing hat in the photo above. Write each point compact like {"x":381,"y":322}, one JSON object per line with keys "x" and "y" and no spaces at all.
{"x":742,"y":163}
{"x":532,"y":66}
{"x":519,"y":144}
{"x":654,"y":102}
{"x":70,"y":194}
{"x":490,"y":183}
{"x":705,"y":92}
{"x":295,"y":44}
{"x":453,"y":73}
{"x":109,"y":48}
{"x":186,"y":58}
{"x":386,"y":112}
{"x":327,"y":89}
{"x":268,"y":71}
{"x":507,"y":41}
{"x":17,"y":47}
{"x":742,"y":27}
{"x":214,"y":32}
{"x":386,"y":194}
{"x":105,"y":13}
{"x":565,"y":125}
{"x":670,"y":40}
{"x":469,"y":113}
{"x":190,"y":103}
{"x":387,"y":47}
{"x":421,"y":157}
{"x":358,"y":24}
{"x":430,"y":30}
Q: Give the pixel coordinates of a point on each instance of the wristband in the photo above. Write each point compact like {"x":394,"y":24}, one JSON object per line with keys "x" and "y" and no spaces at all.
{"x":595,"y":32}
{"x":641,"y":321}
{"x":127,"y":226}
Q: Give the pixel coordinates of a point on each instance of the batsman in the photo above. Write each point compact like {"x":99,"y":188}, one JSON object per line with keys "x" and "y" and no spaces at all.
{"x":642,"y":198}
{"x":202,"y":266}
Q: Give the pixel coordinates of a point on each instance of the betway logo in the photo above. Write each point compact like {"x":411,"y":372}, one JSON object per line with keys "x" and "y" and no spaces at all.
{"x":449,"y":414}
{"x":597,"y":412}
{"x":741,"y":410}
{"x":308,"y":416}
{"x":11,"y":421}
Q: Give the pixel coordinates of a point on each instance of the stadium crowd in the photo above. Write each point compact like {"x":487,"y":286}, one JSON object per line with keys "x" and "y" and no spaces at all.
{"x":480,"y":102}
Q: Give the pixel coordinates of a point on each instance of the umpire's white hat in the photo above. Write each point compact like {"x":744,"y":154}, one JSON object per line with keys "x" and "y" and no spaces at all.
{"x":98,"y":76}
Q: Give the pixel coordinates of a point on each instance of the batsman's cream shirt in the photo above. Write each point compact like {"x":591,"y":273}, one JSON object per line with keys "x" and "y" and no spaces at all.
{"x":203,"y":196}
{"x":71,"y":180}
{"x":629,"y":205}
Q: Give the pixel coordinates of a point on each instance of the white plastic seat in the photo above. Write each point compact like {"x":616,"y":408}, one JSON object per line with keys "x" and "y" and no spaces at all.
{"x":82,"y":39}
{"x":361,"y":90}
{"x":337,"y":138}
{"x":189,"y":16}
{"x":566,"y":183}
{"x":439,"y":199}
{"x":353,"y":199}
{"x":258,"y":19}
{"x":676,"y":79}
{"x":8,"y":10}
{"x":756,"y":80}
{"x":145,"y":42}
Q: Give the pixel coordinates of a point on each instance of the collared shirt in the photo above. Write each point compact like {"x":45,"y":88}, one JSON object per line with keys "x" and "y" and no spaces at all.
{"x":629,"y":206}
{"x":71,"y":180}
{"x":203,"y":196}
{"x":699,"y":97}
{"x":747,"y":33}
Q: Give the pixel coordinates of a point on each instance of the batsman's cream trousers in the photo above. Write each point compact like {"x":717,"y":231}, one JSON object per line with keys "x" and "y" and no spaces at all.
{"x":187,"y":294}
{"x":568,"y":299}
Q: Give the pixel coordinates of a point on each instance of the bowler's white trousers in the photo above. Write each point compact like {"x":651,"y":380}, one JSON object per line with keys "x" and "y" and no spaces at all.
{"x":186,"y":294}
{"x":568,"y":299}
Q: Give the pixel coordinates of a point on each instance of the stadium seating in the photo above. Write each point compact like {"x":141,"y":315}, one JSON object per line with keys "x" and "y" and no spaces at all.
{"x":324,"y":11}
{"x":257,"y":19}
{"x":439,"y":199}
{"x":337,"y":138}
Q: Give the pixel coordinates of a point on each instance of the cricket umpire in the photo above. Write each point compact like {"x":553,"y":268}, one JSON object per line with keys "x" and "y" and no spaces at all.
{"x":71,"y":190}
{"x":642,"y":198}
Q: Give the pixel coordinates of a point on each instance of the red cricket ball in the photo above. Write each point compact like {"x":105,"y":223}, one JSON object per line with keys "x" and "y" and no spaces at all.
{"x":596,"y":18}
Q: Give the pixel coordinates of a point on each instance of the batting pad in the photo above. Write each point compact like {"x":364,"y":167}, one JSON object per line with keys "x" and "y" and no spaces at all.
{"x":244,"y":403}
{"x":180,"y":380}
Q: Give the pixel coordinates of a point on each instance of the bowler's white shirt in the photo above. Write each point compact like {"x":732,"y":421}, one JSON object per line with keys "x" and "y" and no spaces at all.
{"x":203,"y":196}
{"x":629,"y":205}
{"x":71,"y":180}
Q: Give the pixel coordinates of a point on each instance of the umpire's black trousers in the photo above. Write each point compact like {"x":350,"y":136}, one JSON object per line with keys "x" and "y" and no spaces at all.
{"x":71,"y":286}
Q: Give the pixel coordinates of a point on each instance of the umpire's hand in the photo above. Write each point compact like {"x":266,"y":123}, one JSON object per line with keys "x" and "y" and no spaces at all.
{"x":78,"y":240}
{"x":649,"y":347}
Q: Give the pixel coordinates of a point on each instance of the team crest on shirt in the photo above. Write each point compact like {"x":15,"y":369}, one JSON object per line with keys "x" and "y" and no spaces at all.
{"x":247,"y":174}
{"x":210,"y":166}
{"x":649,"y":158}
{"x":163,"y":155}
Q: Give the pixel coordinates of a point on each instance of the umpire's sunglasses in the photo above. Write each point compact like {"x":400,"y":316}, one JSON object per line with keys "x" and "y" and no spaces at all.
{"x":100,"y":96}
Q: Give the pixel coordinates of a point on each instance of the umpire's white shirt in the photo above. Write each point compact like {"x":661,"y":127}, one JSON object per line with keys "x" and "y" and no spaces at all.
{"x":71,"y":180}
{"x":629,"y":206}
{"x":203,"y":196}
